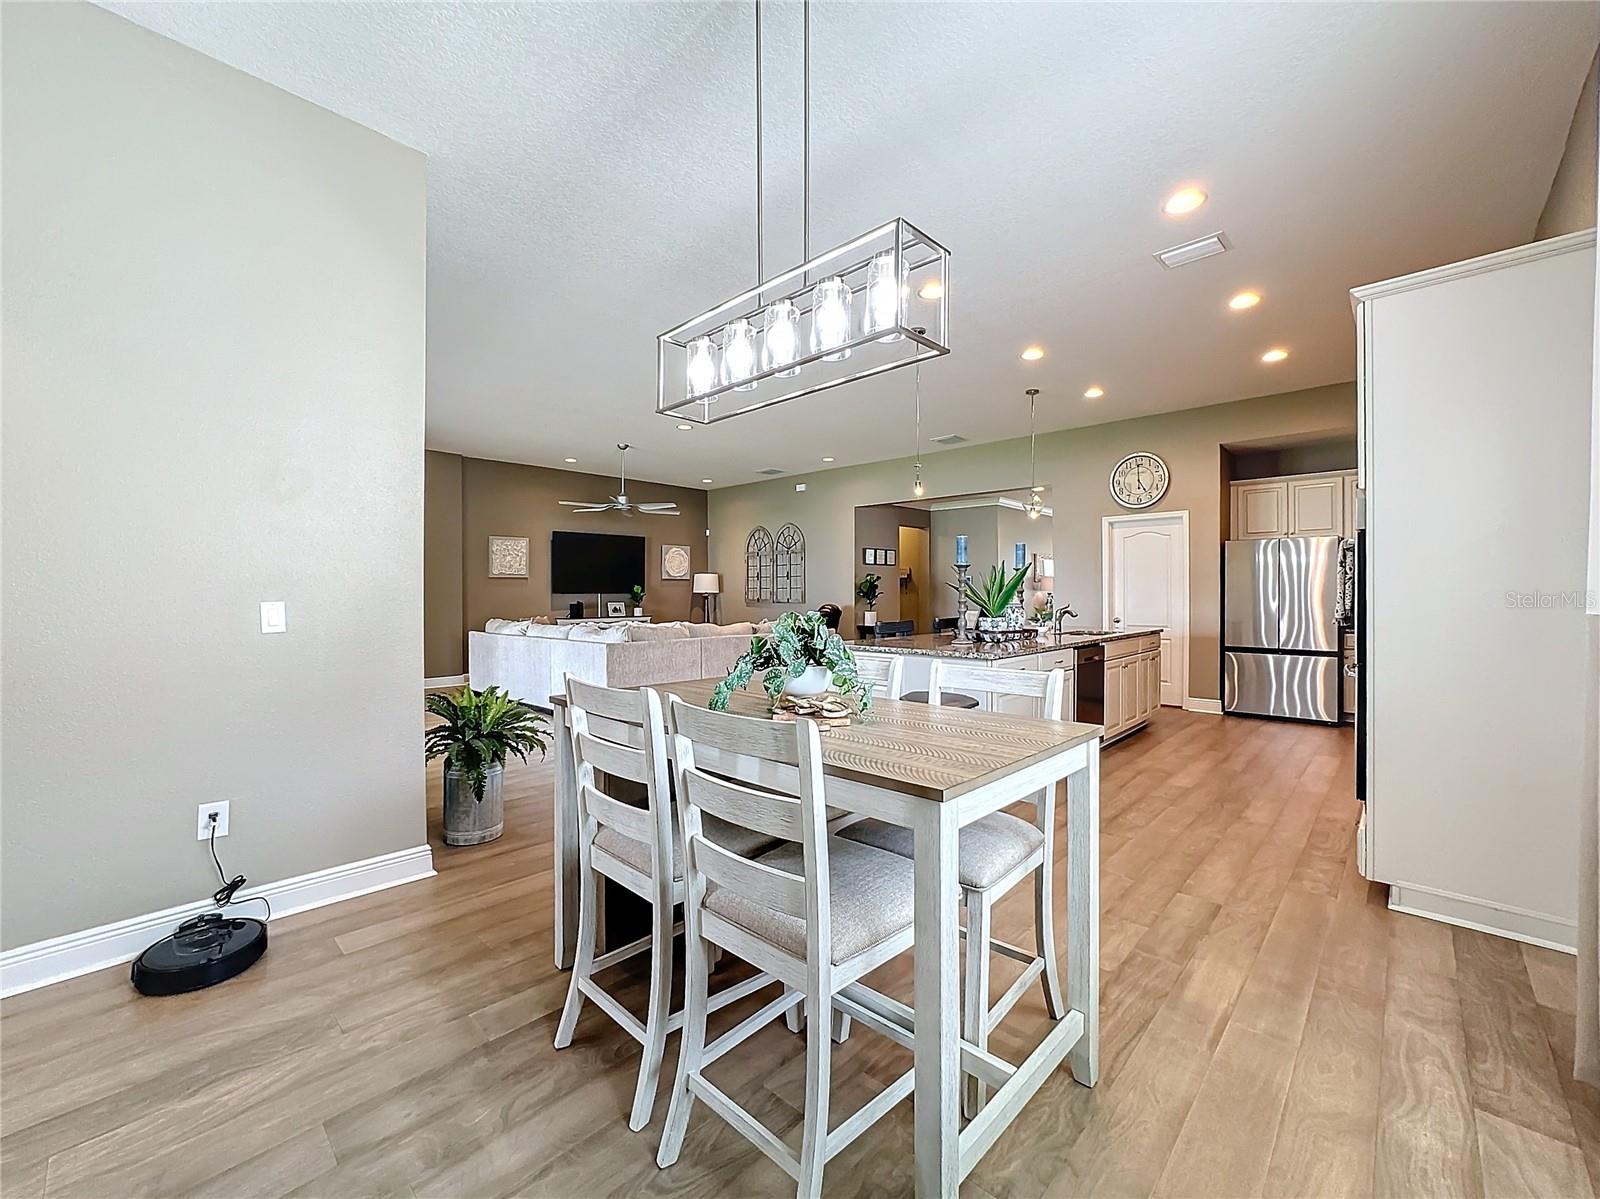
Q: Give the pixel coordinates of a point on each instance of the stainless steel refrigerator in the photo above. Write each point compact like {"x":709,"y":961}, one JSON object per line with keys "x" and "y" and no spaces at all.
{"x":1280,"y":628}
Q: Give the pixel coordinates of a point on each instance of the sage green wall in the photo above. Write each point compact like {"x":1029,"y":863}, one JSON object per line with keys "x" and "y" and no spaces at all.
{"x":214,"y":331}
{"x":1074,"y":464}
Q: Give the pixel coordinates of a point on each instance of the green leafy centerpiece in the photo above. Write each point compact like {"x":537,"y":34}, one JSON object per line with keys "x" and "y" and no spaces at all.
{"x":480,"y":730}
{"x":800,"y":656}
{"x":993,"y":596}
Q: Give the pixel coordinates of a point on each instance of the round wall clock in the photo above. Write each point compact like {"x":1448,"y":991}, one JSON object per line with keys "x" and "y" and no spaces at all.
{"x":1139,"y":480}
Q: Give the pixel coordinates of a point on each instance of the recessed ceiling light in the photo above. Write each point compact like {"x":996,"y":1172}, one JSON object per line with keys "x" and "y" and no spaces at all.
{"x":1032,"y":354}
{"x":569,"y":460}
{"x":827,"y":459}
{"x":705,"y":480}
{"x":1094,"y":393}
{"x":1183,"y":201}
{"x":685,"y":427}
{"x":933,"y":289}
{"x":1245,"y":299}
{"x":1277,"y":354}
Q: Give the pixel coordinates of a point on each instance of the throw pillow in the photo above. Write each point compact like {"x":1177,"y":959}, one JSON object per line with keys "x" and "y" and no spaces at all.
{"x":511,"y":628}
{"x":602,"y":634}
{"x":554,"y":632}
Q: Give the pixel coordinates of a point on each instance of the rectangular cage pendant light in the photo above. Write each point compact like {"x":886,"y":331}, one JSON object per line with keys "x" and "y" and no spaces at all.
{"x":870,"y":305}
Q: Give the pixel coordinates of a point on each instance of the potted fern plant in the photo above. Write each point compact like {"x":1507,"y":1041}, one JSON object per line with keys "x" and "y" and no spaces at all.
{"x":800,"y":656}
{"x":480,"y":730}
{"x":638,"y":599}
{"x":867,"y":592}
{"x":993,"y":595}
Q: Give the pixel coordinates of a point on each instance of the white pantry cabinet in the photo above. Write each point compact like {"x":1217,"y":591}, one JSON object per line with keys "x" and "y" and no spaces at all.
{"x":1474,"y":666}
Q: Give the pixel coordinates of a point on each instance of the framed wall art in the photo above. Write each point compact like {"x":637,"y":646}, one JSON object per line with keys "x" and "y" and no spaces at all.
{"x":508,"y":557}
{"x":675,"y":562}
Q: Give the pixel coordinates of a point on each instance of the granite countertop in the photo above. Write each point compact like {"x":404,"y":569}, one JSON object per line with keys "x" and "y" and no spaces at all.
{"x":941,"y":645}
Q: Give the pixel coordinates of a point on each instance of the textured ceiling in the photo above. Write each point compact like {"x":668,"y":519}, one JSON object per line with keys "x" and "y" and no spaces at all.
{"x":590,"y":184}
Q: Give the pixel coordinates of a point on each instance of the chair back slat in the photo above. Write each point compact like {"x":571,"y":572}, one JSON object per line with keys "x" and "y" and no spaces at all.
{"x":610,"y":702}
{"x":628,"y":820}
{"x":777,"y":889}
{"x":772,"y":815}
{"x":773,"y":741}
{"x":623,"y":761}
{"x":882,"y":672}
{"x":1045,"y":685}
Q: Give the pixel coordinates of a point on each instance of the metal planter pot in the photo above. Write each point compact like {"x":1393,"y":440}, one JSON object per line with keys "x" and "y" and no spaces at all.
{"x":467,"y":819}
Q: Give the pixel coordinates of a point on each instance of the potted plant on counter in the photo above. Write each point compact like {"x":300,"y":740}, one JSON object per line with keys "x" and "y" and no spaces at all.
{"x":992,"y":595}
{"x":638,"y":599}
{"x":800,"y":656}
{"x":480,"y":729}
{"x":1043,"y":612}
{"x":867,"y":592}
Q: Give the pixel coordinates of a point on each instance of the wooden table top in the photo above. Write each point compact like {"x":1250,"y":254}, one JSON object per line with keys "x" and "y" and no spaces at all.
{"x":934,"y":753}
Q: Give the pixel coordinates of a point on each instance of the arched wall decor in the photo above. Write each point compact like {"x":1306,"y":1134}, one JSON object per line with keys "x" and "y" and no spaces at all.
{"x":790,"y":571}
{"x":758,"y":566}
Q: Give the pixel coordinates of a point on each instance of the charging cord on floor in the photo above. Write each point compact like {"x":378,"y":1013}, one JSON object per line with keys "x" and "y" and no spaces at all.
{"x":223,"y":895}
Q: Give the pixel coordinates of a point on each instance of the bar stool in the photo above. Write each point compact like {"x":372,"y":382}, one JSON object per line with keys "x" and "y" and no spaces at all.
{"x":622,"y":734}
{"x":817,"y":914}
{"x":881,"y":672}
{"x":997,"y":852}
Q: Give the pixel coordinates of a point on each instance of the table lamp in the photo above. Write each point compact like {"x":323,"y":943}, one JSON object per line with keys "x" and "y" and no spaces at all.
{"x":710,"y":586}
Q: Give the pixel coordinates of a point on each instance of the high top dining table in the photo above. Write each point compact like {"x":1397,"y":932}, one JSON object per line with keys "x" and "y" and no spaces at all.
{"x":932,"y":770}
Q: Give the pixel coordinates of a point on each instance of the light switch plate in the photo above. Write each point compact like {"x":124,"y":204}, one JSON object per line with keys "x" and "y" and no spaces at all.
{"x":274,"y":616}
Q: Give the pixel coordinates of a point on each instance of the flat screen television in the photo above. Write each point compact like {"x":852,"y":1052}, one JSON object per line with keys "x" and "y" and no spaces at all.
{"x":591,"y":563}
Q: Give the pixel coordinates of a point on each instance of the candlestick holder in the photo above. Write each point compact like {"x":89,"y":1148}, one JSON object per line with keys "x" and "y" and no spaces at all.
{"x":963,"y":578}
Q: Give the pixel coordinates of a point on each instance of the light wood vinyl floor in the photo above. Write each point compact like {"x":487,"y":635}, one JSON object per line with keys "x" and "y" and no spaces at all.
{"x":1269,"y":1028}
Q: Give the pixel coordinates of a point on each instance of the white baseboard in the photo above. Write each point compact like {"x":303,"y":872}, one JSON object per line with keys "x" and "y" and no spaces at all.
{"x":446,"y":680}
{"x":1519,"y":924}
{"x":29,"y":966}
{"x":1211,"y":707}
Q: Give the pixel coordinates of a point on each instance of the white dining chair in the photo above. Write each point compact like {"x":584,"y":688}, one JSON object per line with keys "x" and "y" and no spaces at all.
{"x":816,"y":913}
{"x":881,"y":672}
{"x":997,"y":852}
{"x":621,"y":735}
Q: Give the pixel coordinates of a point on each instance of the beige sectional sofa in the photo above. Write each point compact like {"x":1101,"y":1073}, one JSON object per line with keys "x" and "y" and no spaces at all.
{"x":531,"y":660}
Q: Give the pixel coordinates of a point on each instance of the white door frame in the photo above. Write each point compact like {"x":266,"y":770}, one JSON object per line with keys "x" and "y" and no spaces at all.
{"x":1124,"y":520}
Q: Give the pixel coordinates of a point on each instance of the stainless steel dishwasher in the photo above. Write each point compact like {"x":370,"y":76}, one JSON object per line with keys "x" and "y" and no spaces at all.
{"x":1089,"y":685}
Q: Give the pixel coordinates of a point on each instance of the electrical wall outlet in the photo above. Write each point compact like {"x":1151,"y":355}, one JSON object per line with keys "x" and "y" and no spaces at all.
{"x":203,"y":832}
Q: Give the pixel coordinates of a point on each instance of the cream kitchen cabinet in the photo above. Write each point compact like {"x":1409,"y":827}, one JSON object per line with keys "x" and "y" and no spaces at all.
{"x":1132,"y":684}
{"x":1261,"y":509}
{"x":1295,"y":506}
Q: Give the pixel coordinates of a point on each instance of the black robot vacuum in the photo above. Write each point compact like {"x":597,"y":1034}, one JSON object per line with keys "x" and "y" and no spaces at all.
{"x":204,"y":951}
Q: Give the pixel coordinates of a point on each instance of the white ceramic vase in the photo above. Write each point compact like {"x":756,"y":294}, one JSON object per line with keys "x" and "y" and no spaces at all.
{"x":813,"y":682}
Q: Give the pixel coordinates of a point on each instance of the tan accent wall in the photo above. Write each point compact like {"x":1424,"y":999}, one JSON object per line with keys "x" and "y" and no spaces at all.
{"x":508,"y":499}
{"x":443,"y":599}
{"x":1571,"y":203}
{"x":1074,"y":464}
{"x":214,"y":329}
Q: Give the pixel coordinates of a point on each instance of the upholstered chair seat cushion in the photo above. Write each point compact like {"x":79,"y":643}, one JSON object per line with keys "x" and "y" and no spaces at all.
{"x":991,"y":847}
{"x":871,"y":894}
{"x":742,"y":841}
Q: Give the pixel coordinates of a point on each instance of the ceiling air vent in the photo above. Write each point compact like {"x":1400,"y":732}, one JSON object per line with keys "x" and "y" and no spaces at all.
{"x":948,"y":439}
{"x":1193,"y":251}
{"x":769,"y":470}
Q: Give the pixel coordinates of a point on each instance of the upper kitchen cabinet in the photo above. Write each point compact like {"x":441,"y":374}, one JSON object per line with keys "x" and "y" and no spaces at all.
{"x":1261,"y":509}
{"x":1321,"y":505}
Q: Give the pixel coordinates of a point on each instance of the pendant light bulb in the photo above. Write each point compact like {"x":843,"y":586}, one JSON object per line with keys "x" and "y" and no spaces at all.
{"x":738,"y":353}
{"x":781,"y":345}
{"x":883,"y":298}
{"x":830,"y":318}
{"x":701,"y":372}
{"x":916,"y":487}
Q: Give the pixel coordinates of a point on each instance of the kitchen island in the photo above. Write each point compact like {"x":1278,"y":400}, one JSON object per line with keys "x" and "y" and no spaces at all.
{"x":1113,"y":679}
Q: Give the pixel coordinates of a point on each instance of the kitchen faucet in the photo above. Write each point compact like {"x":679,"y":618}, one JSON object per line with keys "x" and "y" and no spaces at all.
{"x":1064,"y":610}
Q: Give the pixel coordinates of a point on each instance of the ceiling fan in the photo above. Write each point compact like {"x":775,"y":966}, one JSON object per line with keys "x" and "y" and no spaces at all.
{"x":620,"y":502}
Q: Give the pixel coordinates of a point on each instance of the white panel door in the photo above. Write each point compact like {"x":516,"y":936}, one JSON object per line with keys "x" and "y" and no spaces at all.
{"x":1147,"y":587}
